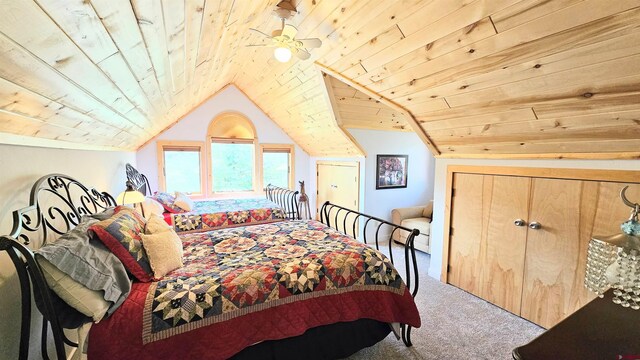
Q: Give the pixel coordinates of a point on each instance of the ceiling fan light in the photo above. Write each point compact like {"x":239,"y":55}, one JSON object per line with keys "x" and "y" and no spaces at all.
{"x":282,"y":54}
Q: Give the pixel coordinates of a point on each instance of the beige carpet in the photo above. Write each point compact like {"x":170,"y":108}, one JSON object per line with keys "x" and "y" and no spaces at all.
{"x":455,"y":325}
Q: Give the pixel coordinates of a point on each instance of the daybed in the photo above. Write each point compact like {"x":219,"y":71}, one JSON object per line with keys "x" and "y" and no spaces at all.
{"x":211,"y":214}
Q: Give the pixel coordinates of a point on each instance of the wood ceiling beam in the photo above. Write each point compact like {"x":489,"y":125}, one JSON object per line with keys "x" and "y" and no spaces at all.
{"x":13,"y":139}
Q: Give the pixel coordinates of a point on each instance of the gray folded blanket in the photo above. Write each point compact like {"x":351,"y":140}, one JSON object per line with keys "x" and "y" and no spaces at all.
{"x":86,"y":260}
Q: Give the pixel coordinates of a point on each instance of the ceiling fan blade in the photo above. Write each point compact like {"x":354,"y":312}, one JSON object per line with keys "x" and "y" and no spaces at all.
{"x":302,"y":54}
{"x":289,"y":31}
{"x":261,"y":33}
{"x":310,"y":43}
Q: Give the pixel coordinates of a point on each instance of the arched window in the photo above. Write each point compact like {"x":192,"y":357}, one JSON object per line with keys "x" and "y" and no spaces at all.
{"x":233,"y":148}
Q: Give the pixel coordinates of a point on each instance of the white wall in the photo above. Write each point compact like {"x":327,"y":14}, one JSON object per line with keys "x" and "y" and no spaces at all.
{"x":22,"y":166}
{"x":379,"y":203}
{"x":437,"y":226}
{"x":420,"y":173}
{"x":193,"y":127}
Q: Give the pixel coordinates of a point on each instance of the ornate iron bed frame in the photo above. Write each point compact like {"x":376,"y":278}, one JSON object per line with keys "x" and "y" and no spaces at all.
{"x":71,"y":200}
{"x":138,"y":180}
{"x":411,"y":263}
{"x":285,"y":198}
{"x":74,"y":200}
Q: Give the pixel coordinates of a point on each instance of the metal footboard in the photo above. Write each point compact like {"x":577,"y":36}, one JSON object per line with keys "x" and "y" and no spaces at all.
{"x":329,"y":215}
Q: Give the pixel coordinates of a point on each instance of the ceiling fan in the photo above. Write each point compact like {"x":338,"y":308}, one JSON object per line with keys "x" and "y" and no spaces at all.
{"x":284,"y":39}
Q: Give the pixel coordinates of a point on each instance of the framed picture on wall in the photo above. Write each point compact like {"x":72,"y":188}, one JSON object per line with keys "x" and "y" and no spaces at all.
{"x":391,"y":171}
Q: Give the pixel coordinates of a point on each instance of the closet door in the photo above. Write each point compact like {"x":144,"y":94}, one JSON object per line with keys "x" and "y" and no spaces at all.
{"x":339,"y":183}
{"x":554,"y":264}
{"x":505,"y":242}
{"x":467,"y":209}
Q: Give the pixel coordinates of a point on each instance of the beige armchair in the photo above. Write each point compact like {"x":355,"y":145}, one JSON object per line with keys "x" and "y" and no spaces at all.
{"x":415,"y":217}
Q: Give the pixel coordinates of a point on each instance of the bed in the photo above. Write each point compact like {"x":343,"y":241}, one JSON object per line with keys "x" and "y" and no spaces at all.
{"x":263,"y":291}
{"x":279,"y":204}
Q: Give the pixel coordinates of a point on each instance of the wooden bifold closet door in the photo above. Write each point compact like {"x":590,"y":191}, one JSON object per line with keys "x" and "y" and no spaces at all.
{"x":534,"y":268}
{"x":556,"y":252}
{"x":487,"y":249}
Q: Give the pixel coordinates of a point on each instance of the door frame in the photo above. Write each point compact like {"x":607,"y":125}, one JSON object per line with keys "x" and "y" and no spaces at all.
{"x":627,"y":176}
{"x":354,"y":163}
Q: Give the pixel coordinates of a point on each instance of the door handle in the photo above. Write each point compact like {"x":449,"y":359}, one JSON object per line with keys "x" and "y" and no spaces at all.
{"x":535,"y":225}
{"x":520,"y":222}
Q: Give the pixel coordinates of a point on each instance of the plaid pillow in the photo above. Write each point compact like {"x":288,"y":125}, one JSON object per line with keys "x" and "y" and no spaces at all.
{"x":121,"y":234}
{"x":168,"y":202}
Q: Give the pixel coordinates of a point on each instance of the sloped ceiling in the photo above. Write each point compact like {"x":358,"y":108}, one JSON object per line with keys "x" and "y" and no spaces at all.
{"x":355,"y":109}
{"x":486,"y":78}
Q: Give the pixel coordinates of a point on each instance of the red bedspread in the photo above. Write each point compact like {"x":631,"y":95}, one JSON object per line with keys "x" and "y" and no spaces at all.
{"x":245,"y":285}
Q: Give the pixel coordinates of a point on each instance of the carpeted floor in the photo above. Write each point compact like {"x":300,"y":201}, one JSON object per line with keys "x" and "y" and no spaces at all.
{"x":455,"y":325}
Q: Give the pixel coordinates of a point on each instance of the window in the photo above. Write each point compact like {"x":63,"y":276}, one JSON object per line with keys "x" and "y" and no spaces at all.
{"x":181,"y":166}
{"x":232,"y":166}
{"x":233,"y":145}
{"x":277,"y":165}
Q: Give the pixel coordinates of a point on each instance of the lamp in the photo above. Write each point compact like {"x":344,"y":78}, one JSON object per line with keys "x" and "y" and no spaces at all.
{"x":282,"y":54}
{"x":614,"y":261}
{"x":131,"y":196}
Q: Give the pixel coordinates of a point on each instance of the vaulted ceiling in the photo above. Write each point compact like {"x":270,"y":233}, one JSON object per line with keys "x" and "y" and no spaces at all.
{"x":474,"y":78}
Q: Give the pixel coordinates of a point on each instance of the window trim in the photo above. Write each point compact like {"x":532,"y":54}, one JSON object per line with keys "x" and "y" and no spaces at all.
{"x":181,"y":146}
{"x":288,"y":148}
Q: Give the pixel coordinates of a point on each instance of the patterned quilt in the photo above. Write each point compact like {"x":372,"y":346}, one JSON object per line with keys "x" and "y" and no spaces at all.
{"x":218,"y":214}
{"x":244,"y":285}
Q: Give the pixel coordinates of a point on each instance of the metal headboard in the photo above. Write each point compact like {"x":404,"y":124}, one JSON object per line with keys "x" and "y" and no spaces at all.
{"x":329,"y":215}
{"x":138,"y":180}
{"x":57,"y":203}
{"x":285,"y":198}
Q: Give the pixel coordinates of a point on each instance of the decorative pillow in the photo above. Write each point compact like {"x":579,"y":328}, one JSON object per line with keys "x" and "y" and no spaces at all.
{"x":165,"y":252}
{"x":428,"y":210}
{"x":87,"y":301}
{"x":183,"y":201}
{"x":168,"y":201}
{"x":156,"y":224}
{"x":151,"y":206}
{"x":121,"y":234}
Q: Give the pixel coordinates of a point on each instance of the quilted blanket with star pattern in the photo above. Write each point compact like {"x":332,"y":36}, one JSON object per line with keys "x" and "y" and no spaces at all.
{"x":240,"y":286}
{"x":219,"y":214}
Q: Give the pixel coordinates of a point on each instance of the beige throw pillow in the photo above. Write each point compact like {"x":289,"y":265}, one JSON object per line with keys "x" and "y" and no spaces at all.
{"x":428,"y":210}
{"x":156,"y":224}
{"x":151,"y":207}
{"x":164,"y":250}
{"x":183,"y":201}
{"x":89,"y":302}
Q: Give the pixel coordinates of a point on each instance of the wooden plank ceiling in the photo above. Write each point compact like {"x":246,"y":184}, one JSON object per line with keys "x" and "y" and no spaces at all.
{"x":477,"y":78}
{"x":355,"y":109}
